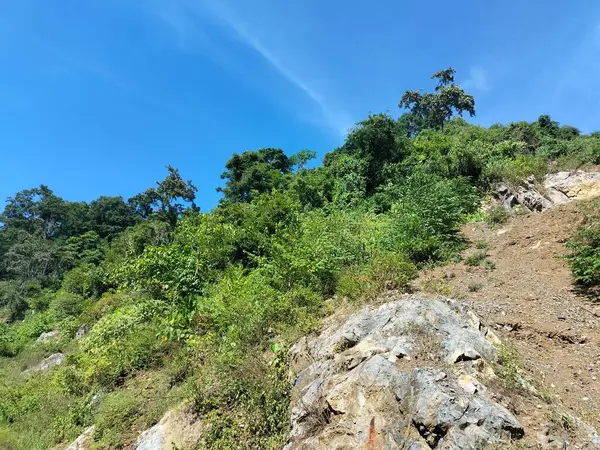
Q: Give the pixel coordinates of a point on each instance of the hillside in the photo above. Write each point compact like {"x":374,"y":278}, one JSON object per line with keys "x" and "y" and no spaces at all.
{"x":135,"y":323}
{"x":529,"y":299}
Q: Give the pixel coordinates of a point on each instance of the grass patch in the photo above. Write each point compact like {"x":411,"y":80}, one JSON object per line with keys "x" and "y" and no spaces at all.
{"x":475,"y":258}
{"x":497,"y":215}
{"x":475,"y":287}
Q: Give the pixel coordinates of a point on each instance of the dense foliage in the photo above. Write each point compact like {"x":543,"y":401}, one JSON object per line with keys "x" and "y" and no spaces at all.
{"x":584,"y":258}
{"x":202,"y":306}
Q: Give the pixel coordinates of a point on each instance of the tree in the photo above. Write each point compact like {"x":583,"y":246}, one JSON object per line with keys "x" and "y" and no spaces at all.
{"x":433,"y":109}
{"x":166,"y":201}
{"x":255,"y":172}
{"x":36,"y":210}
{"x":110,"y":215}
{"x":376,"y":141}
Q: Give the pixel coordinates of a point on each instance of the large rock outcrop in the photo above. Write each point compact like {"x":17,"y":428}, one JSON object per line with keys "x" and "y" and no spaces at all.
{"x":407,"y":374}
{"x":555,"y":189}
{"x":178,"y":428}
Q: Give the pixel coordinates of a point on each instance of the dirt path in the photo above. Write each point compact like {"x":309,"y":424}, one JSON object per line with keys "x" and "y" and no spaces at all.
{"x":526,"y":293}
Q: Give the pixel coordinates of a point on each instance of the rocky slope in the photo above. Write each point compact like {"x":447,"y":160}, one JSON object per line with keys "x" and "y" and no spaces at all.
{"x":408,"y":374}
{"x":555,"y":189}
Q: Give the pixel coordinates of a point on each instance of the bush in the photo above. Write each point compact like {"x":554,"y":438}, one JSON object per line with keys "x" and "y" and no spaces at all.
{"x":115,"y":417}
{"x":84,"y":280}
{"x":475,"y":258}
{"x":259,"y":390}
{"x":584,"y":258}
{"x":516,"y":170}
{"x":66,"y":305}
{"x":497,"y":215}
{"x":202,"y":247}
{"x":425,"y":221}
{"x":383,"y":272}
{"x":314,"y":253}
{"x":121,"y":342}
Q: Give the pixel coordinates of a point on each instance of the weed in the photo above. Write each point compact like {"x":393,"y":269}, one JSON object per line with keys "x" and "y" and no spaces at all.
{"x":475,"y":287}
{"x":509,"y":370}
{"x":434,"y":286}
{"x":490,"y":265}
{"x":475,"y":258}
{"x":497,"y":215}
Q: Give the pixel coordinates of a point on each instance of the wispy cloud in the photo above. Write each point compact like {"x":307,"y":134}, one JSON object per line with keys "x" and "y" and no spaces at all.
{"x":220,"y":14}
{"x":70,"y":64}
{"x":478,"y":79}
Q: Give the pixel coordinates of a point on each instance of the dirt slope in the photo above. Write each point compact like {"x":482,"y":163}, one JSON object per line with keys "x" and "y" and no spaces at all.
{"x":529,"y":299}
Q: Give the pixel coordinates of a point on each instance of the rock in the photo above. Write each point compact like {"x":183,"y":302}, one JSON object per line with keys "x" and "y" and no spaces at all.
{"x":178,"y":428}
{"x":532,"y":199}
{"x":49,"y":336}
{"x":506,"y":197}
{"x":359,"y":384}
{"x":57,"y":359}
{"x":84,"y":440}
{"x":558,"y":188}
{"x":81,"y":332}
{"x":574,"y":185}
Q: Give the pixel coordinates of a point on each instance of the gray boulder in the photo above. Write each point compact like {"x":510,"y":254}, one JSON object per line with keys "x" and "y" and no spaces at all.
{"x":57,"y":359}
{"x":49,"y":336}
{"x":84,"y":440}
{"x":81,"y":332}
{"x":178,"y":428}
{"x":555,"y":189}
{"x":408,"y":374}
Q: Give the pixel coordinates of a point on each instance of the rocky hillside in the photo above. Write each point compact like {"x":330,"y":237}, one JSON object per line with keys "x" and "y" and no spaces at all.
{"x":496,"y":351}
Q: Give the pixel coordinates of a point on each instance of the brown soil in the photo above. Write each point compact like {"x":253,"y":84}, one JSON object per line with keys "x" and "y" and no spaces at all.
{"x":528,"y":297}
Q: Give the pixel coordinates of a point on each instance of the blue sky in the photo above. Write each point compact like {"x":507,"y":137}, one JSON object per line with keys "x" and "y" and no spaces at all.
{"x":97,"y":96}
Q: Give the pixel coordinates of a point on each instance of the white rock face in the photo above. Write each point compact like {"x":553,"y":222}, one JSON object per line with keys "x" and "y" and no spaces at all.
{"x":49,"y":336}
{"x":178,"y":428}
{"x":83,"y":441}
{"x":408,"y":374}
{"x":57,"y":359}
{"x":558,"y":188}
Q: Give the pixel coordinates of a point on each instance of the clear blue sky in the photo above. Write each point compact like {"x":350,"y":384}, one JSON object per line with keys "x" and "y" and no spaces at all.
{"x":97,"y":96}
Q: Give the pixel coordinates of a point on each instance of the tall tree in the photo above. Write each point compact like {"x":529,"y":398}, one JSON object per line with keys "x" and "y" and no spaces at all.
{"x":168,"y":200}
{"x":255,"y":172}
{"x":433,"y":109}
{"x":375,"y":141}
{"x":110,"y":215}
{"x":36,"y":210}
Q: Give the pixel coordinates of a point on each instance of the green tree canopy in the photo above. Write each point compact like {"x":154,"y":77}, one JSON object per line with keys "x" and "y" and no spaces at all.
{"x":168,"y":200}
{"x":257,"y":172}
{"x":435,"y":108}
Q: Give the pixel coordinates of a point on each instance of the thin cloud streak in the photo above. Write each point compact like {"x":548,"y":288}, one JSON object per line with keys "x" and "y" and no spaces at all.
{"x":337,"y":121}
{"x":478,"y":79}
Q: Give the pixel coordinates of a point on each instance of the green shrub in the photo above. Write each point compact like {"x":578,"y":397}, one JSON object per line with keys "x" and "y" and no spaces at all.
{"x":84,"y":280}
{"x":490,"y":265}
{"x":497,"y":215}
{"x":385,"y":271}
{"x":202,"y":247}
{"x":66,"y":304}
{"x":115,"y":417}
{"x":259,"y":390}
{"x":40,"y":412}
{"x":121,"y":342}
{"x":475,"y":287}
{"x":14,"y":337}
{"x":314,"y":253}
{"x":425,"y":221}
{"x":584,"y":258}
{"x":475,"y":258}
{"x":516,"y":170}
